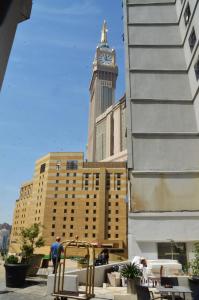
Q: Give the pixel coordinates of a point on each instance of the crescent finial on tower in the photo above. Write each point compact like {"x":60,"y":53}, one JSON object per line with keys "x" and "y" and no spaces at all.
{"x":104,"y":39}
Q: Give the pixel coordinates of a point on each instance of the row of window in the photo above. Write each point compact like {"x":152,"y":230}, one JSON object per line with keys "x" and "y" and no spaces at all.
{"x":86,"y":235}
{"x":192,"y":37}
{"x":87,"y":219}
{"x":73,"y":203}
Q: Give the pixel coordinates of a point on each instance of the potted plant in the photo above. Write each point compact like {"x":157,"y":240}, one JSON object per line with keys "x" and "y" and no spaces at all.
{"x":133,"y":274}
{"x":194,"y":266}
{"x":16,"y":271}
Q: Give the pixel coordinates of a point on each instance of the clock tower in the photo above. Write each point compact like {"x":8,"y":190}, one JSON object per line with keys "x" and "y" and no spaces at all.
{"x":102,"y":88}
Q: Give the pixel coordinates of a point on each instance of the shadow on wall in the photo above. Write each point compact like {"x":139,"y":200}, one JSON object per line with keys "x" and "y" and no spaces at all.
{"x":4,"y":7}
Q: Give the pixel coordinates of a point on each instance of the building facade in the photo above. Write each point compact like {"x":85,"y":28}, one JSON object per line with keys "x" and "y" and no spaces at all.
{"x":70,"y":198}
{"x":110,"y":133}
{"x":162,"y":80}
{"x":106,"y":128}
{"x":12,"y":12}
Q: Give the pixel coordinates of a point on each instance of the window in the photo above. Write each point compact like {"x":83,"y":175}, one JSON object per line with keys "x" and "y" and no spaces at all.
{"x":71,"y":226}
{"x":55,"y":195}
{"x":116,"y":235}
{"x":87,"y":203}
{"x":116,"y":196}
{"x":63,"y":234}
{"x":54,"y":218}
{"x":86,"y":235}
{"x":173,"y":250}
{"x":187,"y":14}
{"x":73,"y":188}
{"x":94,"y":227}
{"x":66,"y":195}
{"x":64,"y":226}
{"x":53,"y":225}
{"x":93,"y":234}
{"x":109,"y":211}
{"x":94,"y":203}
{"x":86,"y":175}
{"x":95,"y":196}
{"x":97,"y":175}
{"x":54,"y":210}
{"x":72,"y":211}
{"x":42,"y":168}
{"x":73,"y":203}
{"x":52,"y":233}
{"x":94,"y":211}
{"x":55,"y":202}
{"x":116,"y":203}
{"x":74,"y":181}
{"x":109,"y":219}
{"x":58,"y":165}
{"x":118,"y":175}
{"x":97,"y":182}
{"x":65,"y":210}
{"x":74,"y":174}
{"x":73,"y":196}
{"x":67,"y":181}
{"x":57,"y":181}
{"x":109,"y":235}
{"x":71,"y":234}
{"x":65,"y":203}
{"x":87,"y":211}
{"x":116,"y":219}
{"x":87,"y":196}
{"x":192,"y":39}
{"x":72,"y":218}
{"x":109,"y":204}
{"x":94,"y":219}
{"x":56,"y":188}
{"x":64,"y":218}
{"x":86,"y":182}
{"x":86,"y":219}
{"x":116,"y":227}
{"x":57,"y":174}
{"x":196,"y":68}
{"x":86,"y":226}
{"x":72,"y":165}
{"x":66,"y":189}
{"x":67,"y":174}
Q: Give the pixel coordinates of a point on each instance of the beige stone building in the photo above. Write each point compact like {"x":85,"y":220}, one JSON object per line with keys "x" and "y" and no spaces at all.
{"x":70,"y":197}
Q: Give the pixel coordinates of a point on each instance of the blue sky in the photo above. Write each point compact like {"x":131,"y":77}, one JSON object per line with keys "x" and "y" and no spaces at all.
{"x":45,"y":98}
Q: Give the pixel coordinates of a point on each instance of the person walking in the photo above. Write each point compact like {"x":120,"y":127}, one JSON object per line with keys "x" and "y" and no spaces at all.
{"x":55,"y":253}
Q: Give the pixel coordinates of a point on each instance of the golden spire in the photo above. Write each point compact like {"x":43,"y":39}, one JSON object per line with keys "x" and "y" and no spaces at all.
{"x":104,"y":33}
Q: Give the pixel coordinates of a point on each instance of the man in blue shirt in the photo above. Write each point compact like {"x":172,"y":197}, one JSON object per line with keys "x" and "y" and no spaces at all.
{"x":55,"y":253}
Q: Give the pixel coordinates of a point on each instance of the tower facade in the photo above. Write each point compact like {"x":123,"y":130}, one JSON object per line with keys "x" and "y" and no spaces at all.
{"x":162,"y":76}
{"x":102,"y":90}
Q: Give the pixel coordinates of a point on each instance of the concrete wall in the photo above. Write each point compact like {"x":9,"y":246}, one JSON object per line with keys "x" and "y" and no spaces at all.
{"x":18,"y":10}
{"x":162,"y":122}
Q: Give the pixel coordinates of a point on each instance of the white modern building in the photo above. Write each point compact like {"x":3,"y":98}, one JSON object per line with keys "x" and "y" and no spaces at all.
{"x":162,"y":84}
{"x":12,"y":12}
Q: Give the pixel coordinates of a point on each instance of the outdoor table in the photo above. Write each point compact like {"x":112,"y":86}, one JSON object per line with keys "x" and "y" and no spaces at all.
{"x":175,"y":289}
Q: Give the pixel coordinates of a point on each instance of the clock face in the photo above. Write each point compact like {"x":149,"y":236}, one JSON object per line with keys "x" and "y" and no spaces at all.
{"x":105,"y":59}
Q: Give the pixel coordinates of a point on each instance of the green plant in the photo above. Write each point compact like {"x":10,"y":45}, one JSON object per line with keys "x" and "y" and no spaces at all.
{"x":194,"y":264}
{"x":131,"y":271}
{"x":12,"y":259}
{"x":31,"y":239}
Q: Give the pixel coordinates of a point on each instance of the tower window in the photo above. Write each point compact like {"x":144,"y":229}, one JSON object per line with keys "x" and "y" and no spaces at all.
{"x":72,"y":165}
{"x":192,"y":39}
{"x":187,"y":14}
